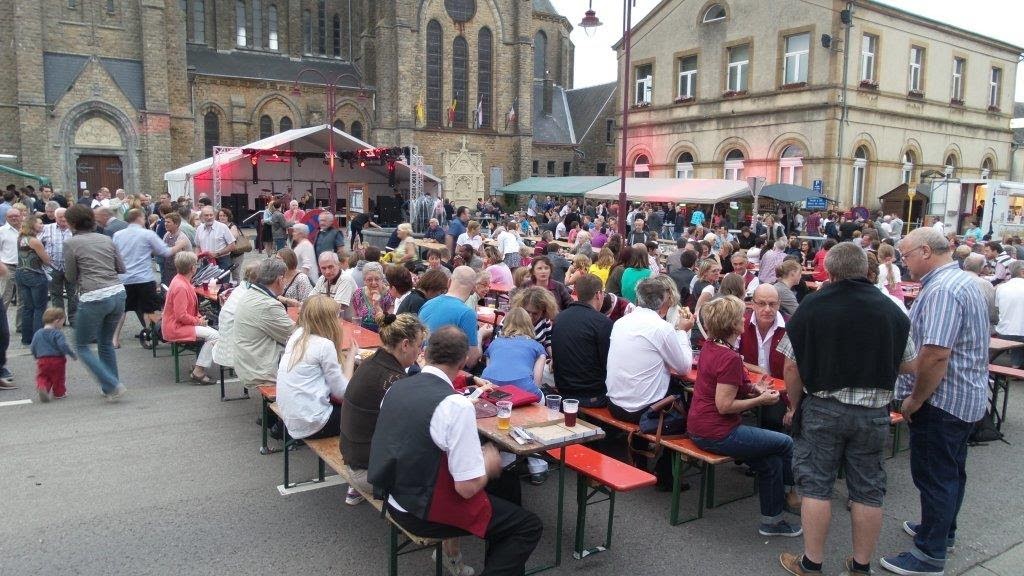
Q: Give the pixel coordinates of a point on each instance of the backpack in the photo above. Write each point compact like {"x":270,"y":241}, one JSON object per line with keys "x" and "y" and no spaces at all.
{"x":985,"y":431}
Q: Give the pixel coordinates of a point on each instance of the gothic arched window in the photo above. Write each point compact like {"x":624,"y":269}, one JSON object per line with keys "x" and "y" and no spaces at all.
{"x":460,"y":79}
{"x":211,"y":132}
{"x":484,"y":46}
{"x":435,"y":68}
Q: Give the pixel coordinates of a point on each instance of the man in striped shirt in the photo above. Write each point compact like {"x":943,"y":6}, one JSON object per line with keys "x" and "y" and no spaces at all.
{"x":949,"y":393}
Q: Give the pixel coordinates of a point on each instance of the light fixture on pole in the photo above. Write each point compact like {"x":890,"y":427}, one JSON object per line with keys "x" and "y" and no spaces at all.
{"x":590,"y":21}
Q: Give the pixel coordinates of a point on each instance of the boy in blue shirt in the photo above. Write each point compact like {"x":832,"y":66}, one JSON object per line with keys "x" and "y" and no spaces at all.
{"x":50,"y":349}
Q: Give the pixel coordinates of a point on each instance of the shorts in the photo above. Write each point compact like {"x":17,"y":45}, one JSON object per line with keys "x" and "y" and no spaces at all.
{"x":142,"y":298}
{"x":833,"y":434}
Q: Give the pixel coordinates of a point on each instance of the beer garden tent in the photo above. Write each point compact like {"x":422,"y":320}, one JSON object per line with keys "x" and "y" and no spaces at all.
{"x":289,"y":175}
{"x":676,"y":190}
{"x":788,"y":193}
{"x":574,"y":186}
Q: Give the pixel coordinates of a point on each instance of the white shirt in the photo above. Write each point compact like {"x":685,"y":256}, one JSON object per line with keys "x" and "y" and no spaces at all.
{"x":213,"y":238}
{"x":644,"y":348}
{"x":476,"y":241}
{"x":453,"y":430}
{"x":754,"y":255}
{"x":560,"y":231}
{"x":894,"y":299}
{"x":306,"y":255}
{"x":8,"y":245}
{"x":883,"y":275}
{"x":940,"y":227}
{"x":886,"y":229}
{"x":764,"y":345}
{"x":304,"y":390}
{"x":342,"y":290}
{"x":508,"y":243}
{"x":1010,"y":303}
{"x":223,"y":351}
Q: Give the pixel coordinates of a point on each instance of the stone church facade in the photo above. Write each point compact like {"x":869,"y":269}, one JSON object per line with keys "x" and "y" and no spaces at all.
{"x":116,"y":92}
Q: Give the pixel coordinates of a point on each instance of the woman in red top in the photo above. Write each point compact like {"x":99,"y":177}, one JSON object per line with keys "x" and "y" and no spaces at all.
{"x":820,"y":275}
{"x":182,"y":321}
{"x":721,"y":394}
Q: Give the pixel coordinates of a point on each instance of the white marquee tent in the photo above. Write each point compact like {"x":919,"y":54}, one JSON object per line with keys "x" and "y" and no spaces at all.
{"x":677,"y":190}
{"x":283,"y":175}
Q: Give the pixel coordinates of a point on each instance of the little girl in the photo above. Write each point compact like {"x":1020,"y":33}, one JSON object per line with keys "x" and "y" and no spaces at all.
{"x":50,"y":348}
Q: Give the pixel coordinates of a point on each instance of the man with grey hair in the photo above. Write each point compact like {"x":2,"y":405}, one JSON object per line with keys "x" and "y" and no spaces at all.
{"x":451,"y":308}
{"x":329,"y":238}
{"x":973,"y":264}
{"x":49,"y":212}
{"x":840,"y":384}
{"x":262,"y":326}
{"x":334,"y":283}
{"x":214,"y":238}
{"x":1009,"y":300}
{"x":53,"y":237}
{"x":304,"y":251}
{"x":943,"y":400}
{"x":108,"y":223}
{"x":770,"y":260}
{"x":643,"y":352}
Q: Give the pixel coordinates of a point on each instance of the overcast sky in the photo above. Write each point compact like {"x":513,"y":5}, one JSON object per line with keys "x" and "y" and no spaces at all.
{"x":595,"y":60}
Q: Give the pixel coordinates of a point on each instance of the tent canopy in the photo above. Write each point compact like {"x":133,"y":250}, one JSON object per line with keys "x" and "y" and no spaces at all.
{"x":43,"y":180}
{"x":557,"y":186}
{"x":277,"y":177}
{"x":787,"y":192}
{"x":690,"y":191}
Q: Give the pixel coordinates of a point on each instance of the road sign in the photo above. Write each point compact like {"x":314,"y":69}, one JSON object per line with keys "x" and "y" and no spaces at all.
{"x":816,"y":203}
{"x":816,"y":187}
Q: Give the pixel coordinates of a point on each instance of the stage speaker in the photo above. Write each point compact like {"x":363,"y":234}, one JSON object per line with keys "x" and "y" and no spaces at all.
{"x":389,"y":211}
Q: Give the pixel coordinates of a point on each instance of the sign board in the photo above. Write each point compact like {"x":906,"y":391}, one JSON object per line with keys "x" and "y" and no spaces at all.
{"x":817,"y":187}
{"x":816,"y":202}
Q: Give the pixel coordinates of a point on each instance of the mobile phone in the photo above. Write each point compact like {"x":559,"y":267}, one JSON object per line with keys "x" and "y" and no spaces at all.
{"x":498,"y":395}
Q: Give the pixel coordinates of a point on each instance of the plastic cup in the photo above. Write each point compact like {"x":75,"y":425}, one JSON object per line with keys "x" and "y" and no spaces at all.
{"x":553,"y":401}
{"x":504,"y":414}
{"x":570,"y":407}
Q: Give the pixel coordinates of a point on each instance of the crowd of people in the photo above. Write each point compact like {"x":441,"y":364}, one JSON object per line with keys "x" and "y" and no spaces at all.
{"x":590,"y":315}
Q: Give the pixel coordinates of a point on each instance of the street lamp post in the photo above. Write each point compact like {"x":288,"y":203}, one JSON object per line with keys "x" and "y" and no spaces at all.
{"x":589,"y":22}
{"x":330,"y":110}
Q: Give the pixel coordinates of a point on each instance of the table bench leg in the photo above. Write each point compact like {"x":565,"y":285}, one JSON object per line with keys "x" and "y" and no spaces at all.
{"x":264,"y":448}
{"x":223,"y":396}
{"x":585,"y":497}
{"x":677,"y":479}
{"x":395,"y":549}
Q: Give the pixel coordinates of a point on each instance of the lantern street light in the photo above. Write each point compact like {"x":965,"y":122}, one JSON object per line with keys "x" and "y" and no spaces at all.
{"x":590,"y":21}
{"x":331,"y":108}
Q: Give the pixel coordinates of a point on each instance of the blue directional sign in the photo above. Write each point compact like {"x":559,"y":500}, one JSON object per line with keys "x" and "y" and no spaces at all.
{"x":816,"y":203}
{"x":816,"y":187}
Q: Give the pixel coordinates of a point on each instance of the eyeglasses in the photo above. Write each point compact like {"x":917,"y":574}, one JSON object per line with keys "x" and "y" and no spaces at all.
{"x":763,"y":304}
{"x":912,"y":250}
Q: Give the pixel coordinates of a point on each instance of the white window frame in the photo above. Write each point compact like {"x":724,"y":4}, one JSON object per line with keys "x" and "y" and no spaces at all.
{"x":688,"y":78}
{"x":705,"y":20}
{"x":791,"y":171}
{"x":738,"y":70}
{"x":733,"y":169}
{"x":272,"y":37}
{"x":240,"y":29}
{"x":907,"y":173}
{"x":684,"y":170}
{"x":995,"y":79}
{"x":639,"y":168}
{"x":643,"y":87}
{"x":957,"y":80}
{"x":868,"y":54}
{"x":916,"y":69}
{"x":798,"y":59}
{"x":860,"y":173}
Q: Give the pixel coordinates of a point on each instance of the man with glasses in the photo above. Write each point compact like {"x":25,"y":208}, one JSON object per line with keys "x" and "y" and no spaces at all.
{"x":580,"y":340}
{"x":214,"y":238}
{"x":763,"y":328}
{"x":943,"y":400}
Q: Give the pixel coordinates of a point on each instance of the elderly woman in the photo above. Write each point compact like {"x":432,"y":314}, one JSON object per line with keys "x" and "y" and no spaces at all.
{"x":540,"y":275}
{"x":582,"y":245}
{"x":430,"y":284}
{"x":372,"y":301}
{"x":182,"y":321}
{"x":294,"y":213}
{"x":501,"y":274}
{"x":480,"y":290}
{"x":297,"y":286}
{"x":406,"y":250}
{"x":314,"y":372}
{"x":173,"y":236}
{"x":30,"y":277}
{"x":93,"y":263}
{"x":721,"y":394}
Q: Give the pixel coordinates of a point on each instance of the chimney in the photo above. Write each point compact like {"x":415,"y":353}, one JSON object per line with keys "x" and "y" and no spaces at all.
{"x":548,"y":93}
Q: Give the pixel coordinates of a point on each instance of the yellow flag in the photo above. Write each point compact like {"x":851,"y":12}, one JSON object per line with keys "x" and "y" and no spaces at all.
{"x":420,"y":112}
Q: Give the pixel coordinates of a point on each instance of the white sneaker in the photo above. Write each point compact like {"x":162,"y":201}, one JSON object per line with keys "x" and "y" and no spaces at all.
{"x":454,"y":565}
{"x":353,"y":498}
{"x":117,"y":393}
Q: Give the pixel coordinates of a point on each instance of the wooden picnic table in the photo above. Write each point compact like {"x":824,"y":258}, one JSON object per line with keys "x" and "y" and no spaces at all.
{"x":427,"y":243}
{"x":530,"y":415}
{"x":998,"y":346}
{"x":365,"y":338}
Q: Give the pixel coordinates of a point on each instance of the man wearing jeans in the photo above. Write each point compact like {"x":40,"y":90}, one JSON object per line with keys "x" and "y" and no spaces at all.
{"x":839,"y":403}
{"x":948,"y":394}
{"x":53,"y":237}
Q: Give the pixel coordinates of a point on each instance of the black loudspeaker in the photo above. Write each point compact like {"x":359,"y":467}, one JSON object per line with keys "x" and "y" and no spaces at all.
{"x":389,"y":211}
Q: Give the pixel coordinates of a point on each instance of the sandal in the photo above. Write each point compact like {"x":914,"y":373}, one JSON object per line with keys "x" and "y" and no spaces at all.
{"x":203,"y":380}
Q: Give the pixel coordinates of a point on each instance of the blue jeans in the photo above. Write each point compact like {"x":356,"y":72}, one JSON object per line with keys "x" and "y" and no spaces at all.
{"x":938,"y":459}
{"x":33,"y":293}
{"x":769,"y":454}
{"x":96,"y":322}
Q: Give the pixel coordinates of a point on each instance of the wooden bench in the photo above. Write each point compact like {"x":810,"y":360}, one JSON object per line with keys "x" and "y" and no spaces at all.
{"x":1000,"y":377}
{"x":268,"y":394}
{"x":685,"y":454}
{"x":607,"y":477}
{"x":328,"y":452}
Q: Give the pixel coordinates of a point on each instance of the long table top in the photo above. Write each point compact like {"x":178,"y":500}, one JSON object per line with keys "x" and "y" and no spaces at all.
{"x":365,"y":338}
{"x":529,"y":415}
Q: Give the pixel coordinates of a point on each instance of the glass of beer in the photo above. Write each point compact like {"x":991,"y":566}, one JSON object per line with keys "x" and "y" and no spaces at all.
{"x":570,"y":407}
{"x":504,"y":414}
{"x":554,"y":402}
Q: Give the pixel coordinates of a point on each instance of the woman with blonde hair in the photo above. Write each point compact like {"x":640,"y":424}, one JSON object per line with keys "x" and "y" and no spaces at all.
{"x":583,"y":245}
{"x":706,"y":285}
{"x":406,"y":250}
{"x":542,"y":307}
{"x":501,"y":274}
{"x":603,"y":266}
{"x":471,"y":236}
{"x":721,"y":394}
{"x":30,"y":278}
{"x":579,"y":268}
{"x":314,"y":372}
